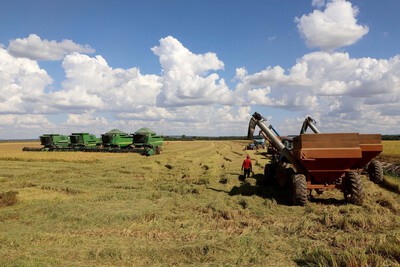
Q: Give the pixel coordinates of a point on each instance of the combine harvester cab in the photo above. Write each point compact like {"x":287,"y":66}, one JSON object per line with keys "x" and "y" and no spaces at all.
{"x":317,"y":162}
{"x":84,"y":141}
{"x":50,"y":142}
{"x":146,"y":141}
{"x":117,"y":139}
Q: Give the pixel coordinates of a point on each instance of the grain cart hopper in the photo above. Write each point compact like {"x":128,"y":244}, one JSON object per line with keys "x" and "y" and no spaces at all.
{"x":147,"y":141}
{"x":117,"y":139}
{"x":50,"y":142}
{"x":317,"y":162}
{"x":371,"y":146}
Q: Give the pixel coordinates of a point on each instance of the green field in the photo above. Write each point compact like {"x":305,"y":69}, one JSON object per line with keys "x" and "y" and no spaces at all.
{"x":185,"y":207}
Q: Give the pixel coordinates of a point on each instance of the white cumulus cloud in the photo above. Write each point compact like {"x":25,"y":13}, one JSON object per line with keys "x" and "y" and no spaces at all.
{"x":332,"y":28}
{"x":33,"y":47}
{"x":22,"y":84}
{"x":318,"y":3}
{"x":187,"y":78}
{"x":91,"y":83}
{"x":332,"y":86}
{"x":85,"y":119}
{"x":24,"y":123}
{"x":189,"y":97}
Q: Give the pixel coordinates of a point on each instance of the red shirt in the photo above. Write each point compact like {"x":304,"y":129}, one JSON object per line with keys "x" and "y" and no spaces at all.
{"x":247,"y":164}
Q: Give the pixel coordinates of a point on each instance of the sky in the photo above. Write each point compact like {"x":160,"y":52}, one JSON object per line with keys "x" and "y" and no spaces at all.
{"x":202,"y":68}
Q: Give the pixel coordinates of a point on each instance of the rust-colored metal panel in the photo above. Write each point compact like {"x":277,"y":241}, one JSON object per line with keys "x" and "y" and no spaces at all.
{"x":370,"y":139}
{"x":323,"y":186}
{"x":371,"y":146}
{"x":327,"y":156}
{"x":326,"y":140}
{"x":327,"y":153}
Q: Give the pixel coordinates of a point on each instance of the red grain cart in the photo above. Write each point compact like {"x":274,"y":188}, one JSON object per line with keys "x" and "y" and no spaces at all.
{"x":319,"y":162}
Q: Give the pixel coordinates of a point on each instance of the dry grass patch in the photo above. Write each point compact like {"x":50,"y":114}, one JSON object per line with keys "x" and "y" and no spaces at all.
{"x":185,"y":207}
{"x":8,"y":198}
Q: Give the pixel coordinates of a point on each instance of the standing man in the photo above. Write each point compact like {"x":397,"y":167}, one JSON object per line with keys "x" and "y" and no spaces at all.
{"x":246,"y":166}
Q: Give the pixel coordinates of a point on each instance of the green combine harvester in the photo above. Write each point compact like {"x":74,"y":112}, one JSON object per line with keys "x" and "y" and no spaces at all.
{"x":144,"y":141}
{"x":84,"y":140}
{"x":51,"y":142}
{"x":147,"y":140}
{"x":117,"y":139}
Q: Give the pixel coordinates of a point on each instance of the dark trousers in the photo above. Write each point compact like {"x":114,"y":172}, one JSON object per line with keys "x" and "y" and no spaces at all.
{"x":247,"y":173}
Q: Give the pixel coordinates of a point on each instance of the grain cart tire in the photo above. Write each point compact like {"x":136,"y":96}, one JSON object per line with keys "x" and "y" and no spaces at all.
{"x":353,"y":188}
{"x":284,"y":173}
{"x":299,"y":187}
{"x":375,"y":172}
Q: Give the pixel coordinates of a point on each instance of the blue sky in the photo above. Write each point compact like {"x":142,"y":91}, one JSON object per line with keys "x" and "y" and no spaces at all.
{"x":198,"y":67}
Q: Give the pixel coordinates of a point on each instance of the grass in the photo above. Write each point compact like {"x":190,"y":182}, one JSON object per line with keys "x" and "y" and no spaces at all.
{"x":8,"y":198}
{"x":391,"y":154}
{"x":185,"y":207}
{"x":391,"y":150}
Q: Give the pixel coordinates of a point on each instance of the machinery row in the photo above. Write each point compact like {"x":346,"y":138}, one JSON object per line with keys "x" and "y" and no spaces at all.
{"x":320,"y":161}
{"x":143,"y":141}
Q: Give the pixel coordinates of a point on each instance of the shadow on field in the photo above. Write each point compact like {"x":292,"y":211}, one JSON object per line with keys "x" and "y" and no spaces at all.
{"x":264,"y":154}
{"x":327,"y":201}
{"x":255,"y":185}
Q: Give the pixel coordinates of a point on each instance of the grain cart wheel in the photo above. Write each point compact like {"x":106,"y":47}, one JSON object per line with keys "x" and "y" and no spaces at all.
{"x":375,"y":171}
{"x":353,"y":188}
{"x":284,"y":173}
{"x":299,"y":187}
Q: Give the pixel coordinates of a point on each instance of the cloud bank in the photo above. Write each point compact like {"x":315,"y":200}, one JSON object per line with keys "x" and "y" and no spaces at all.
{"x":33,"y":47}
{"x":188,"y":96}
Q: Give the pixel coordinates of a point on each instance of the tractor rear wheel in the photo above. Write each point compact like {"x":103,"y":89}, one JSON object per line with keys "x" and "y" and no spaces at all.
{"x":299,"y":186}
{"x":375,"y":171}
{"x":284,"y":173}
{"x":269,"y":174}
{"x":353,"y":188}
